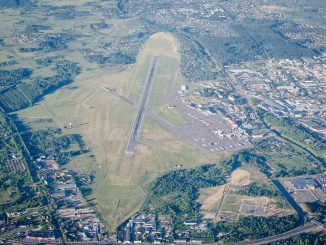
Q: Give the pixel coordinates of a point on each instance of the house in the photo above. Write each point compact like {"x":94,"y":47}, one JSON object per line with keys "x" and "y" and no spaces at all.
{"x":303,"y":183}
{"x":190,"y":222}
{"x":258,"y":134}
{"x":315,"y":127}
{"x":321,"y":180}
{"x":66,"y":186}
{"x":40,"y":235}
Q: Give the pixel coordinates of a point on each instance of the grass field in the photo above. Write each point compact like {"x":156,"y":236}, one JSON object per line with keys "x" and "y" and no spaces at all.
{"x":6,"y":195}
{"x":286,"y":156}
{"x":160,"y":101}
{"x":105,"y":121}
{"x":173,"y":115}
{"x":152,"y":131}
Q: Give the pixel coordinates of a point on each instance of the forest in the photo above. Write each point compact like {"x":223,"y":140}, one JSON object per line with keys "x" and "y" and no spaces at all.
{"x":24,"y":93}
{"x":175,"y":193}
{"x":304,"y":239}
{"x":252,"y":227}
{"x":52,"y":142}
{"x":259,"y":189}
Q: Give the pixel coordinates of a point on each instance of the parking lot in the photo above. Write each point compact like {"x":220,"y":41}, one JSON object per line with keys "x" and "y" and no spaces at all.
{"x":204,"y":133}
{"x":209,"y":133}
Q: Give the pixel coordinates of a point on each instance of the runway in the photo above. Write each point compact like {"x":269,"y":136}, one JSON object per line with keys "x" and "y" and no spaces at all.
{"x":132,"y":142}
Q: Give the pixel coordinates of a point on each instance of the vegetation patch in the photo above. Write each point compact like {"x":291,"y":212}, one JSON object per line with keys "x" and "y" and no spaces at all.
{"x":318,"y":209}
{"x":252,"y":227}
{"x":176,"y":193}
{"x":28,"y":92}
{"x":17,"y":190}
{"x":278,"y":158}
{"x":259,"y":189}
{"x":298,"y":133}
{"x":54,"y":143}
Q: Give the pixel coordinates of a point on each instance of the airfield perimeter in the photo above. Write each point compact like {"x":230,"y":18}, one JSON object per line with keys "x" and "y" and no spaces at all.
{"x":102,"y":107}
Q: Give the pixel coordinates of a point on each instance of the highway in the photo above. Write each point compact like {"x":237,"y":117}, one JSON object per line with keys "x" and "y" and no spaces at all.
{"x":301,"y":229}
{"x":132,"y":142}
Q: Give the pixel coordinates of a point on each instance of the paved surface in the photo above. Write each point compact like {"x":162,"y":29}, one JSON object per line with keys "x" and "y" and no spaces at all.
{"x":132,"y":142}
{"x":201,"y":132}
{"x":301,"y":229}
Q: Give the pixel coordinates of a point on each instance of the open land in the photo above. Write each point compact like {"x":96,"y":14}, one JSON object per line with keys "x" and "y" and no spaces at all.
{"x":240,"y":177}
{"x":224,"y":203}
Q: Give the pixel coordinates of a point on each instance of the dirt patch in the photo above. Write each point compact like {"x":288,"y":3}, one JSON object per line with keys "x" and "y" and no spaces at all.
{"x":240,"y":177}
{"x":210,"y":198}
{"x":254,"y":206}
{"x":277,"y":207}
{"x":255,"y":174}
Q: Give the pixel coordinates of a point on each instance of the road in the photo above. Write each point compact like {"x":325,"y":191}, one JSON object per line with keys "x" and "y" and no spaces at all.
{"x":226,"y":188}
{"x":132,"y":142}
{"x":292,"y":202}
{"x":299,"y":230}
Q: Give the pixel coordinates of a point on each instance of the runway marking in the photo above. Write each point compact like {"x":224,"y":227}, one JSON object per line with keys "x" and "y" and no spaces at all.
{"x":132,"y":142}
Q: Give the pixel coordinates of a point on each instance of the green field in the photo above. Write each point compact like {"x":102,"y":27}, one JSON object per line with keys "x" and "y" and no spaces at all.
{"x":231,"y":207}
{"x":173,"y":115}
{"x":152,"y":131}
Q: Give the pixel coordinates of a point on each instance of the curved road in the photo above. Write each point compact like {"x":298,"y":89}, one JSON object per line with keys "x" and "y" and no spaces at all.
{"x":301,"y":229}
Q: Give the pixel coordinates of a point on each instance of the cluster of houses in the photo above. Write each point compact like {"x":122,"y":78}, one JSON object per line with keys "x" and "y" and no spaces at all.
{"x":211,"y":99}
{"x":78,"y":221}
{"x":150,"y":228}
{"x":29,"y":225}
{"x":15,"y":164}
{"x":194,"y":232}
{"x":153,"y":228}
{"x":287,"y":88}
{"x":199,"y":17}
{"x":307,"y":189}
